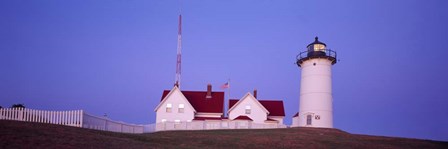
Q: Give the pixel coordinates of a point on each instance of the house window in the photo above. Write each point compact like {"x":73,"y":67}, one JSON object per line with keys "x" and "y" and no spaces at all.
{"x":163,"y":120}
{"x":181,"y":108}
{"x":169,"y":107}
{"x":247,"y":109}
{"x":308,"y":119}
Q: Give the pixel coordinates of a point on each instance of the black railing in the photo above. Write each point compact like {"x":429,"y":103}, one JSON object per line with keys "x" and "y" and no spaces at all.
{"x":325,"y":53}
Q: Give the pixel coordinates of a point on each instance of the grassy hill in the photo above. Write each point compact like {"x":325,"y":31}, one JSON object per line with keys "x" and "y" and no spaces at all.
{"x":34,"y":135}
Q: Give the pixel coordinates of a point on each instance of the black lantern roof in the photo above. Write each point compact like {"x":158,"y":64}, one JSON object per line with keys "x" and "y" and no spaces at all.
{"x":316,"y":41}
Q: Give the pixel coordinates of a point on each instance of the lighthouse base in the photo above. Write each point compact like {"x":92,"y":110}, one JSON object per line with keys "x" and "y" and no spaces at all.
{"x":319,"y":119}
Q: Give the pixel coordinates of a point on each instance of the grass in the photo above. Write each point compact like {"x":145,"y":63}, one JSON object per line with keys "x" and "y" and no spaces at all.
{"x":15,"y":134}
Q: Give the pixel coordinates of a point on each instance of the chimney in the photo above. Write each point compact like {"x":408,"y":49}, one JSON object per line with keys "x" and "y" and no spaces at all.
{"x":255,"y":93}
{"x":209,"y":91}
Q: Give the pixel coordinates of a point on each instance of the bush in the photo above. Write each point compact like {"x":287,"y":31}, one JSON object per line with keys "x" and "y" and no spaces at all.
{"x":20,"y":105}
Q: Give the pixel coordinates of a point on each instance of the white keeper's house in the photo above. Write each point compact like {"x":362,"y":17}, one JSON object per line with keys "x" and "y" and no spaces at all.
{"x":197,"y":110}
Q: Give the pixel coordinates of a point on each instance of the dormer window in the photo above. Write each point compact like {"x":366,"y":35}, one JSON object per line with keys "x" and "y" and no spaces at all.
{"x":169,"y":106}
{"x":181,"y":108}
{"x":247,"y":109}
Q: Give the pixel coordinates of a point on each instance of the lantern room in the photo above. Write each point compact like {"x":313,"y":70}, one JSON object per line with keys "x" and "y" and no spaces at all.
{"x":316,"y":49}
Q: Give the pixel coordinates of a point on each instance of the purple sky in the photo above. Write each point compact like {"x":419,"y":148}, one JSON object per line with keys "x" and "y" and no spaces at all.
{"x":117,"y":57}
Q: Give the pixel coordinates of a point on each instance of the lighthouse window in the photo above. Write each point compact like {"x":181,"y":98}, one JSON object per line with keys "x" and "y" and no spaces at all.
{"x":319,"y":47}
{"x":308,"y":119}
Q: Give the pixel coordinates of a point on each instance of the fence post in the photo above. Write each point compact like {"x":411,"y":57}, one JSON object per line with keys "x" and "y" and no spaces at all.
{"x":78,"y":118}
{"x":41,"y":116}
{"x":75,"y":118}
{"x":21,"y":114}
{"x":1,"y":114}
{"x":61,"y":117}
{"x":49,"y":117}
{"x":14,"y":114}
{"x":32,"y":115}
{"x":37,"y":115}
{"x":69,"y":120}
{"x":52,"y":117}
{"x":81,"y":118}
{"x":64,"y":119}
{"x":72,"y":121}
{"x":105,"y":125}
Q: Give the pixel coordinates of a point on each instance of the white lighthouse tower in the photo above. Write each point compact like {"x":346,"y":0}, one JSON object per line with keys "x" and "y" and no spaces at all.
{"x":316,"y":99}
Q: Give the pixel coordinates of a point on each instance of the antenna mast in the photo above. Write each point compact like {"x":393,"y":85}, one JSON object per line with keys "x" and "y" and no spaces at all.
{"x":179,"y":47}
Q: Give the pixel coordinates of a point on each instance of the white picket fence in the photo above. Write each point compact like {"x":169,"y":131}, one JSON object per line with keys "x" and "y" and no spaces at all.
{"x":75,"y":118}
{"x":68,"y":118}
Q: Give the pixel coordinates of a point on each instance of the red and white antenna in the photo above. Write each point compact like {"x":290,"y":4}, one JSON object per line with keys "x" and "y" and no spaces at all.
{"x":179,"y":47}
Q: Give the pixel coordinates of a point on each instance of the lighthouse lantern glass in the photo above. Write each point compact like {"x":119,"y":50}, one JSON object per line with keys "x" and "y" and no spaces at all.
{"x":316,"y":48}
{"x":319,"y":47}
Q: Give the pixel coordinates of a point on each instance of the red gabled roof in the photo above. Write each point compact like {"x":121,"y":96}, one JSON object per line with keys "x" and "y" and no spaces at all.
{"x":207,"y":118}
{"x":243,"y":117}
{"x":232,"y":102}
{"x":275,"y":107}
{"x":202,"y":104}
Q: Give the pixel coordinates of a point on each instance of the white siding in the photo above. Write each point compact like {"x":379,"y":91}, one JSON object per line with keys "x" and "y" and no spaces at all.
{"x":175,"y":98}
{"x":257,"y":114}
{"x":295,"y":122}
{"x":278,"y":118}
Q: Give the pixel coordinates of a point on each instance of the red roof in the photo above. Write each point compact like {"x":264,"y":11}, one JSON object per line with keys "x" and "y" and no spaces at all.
{"x":232,"y":102}
{"x":271,"y":120}
{"x":202,"y":104}
{"x":207,"y":118}
{"x":242,"y":117}
{"x":275,"y":107}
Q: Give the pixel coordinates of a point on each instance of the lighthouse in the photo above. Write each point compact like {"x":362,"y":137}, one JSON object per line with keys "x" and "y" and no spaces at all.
{"x":316,"y":99}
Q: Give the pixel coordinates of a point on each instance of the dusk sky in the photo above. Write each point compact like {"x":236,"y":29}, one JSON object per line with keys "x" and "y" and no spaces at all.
{"x":117,"y":57}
